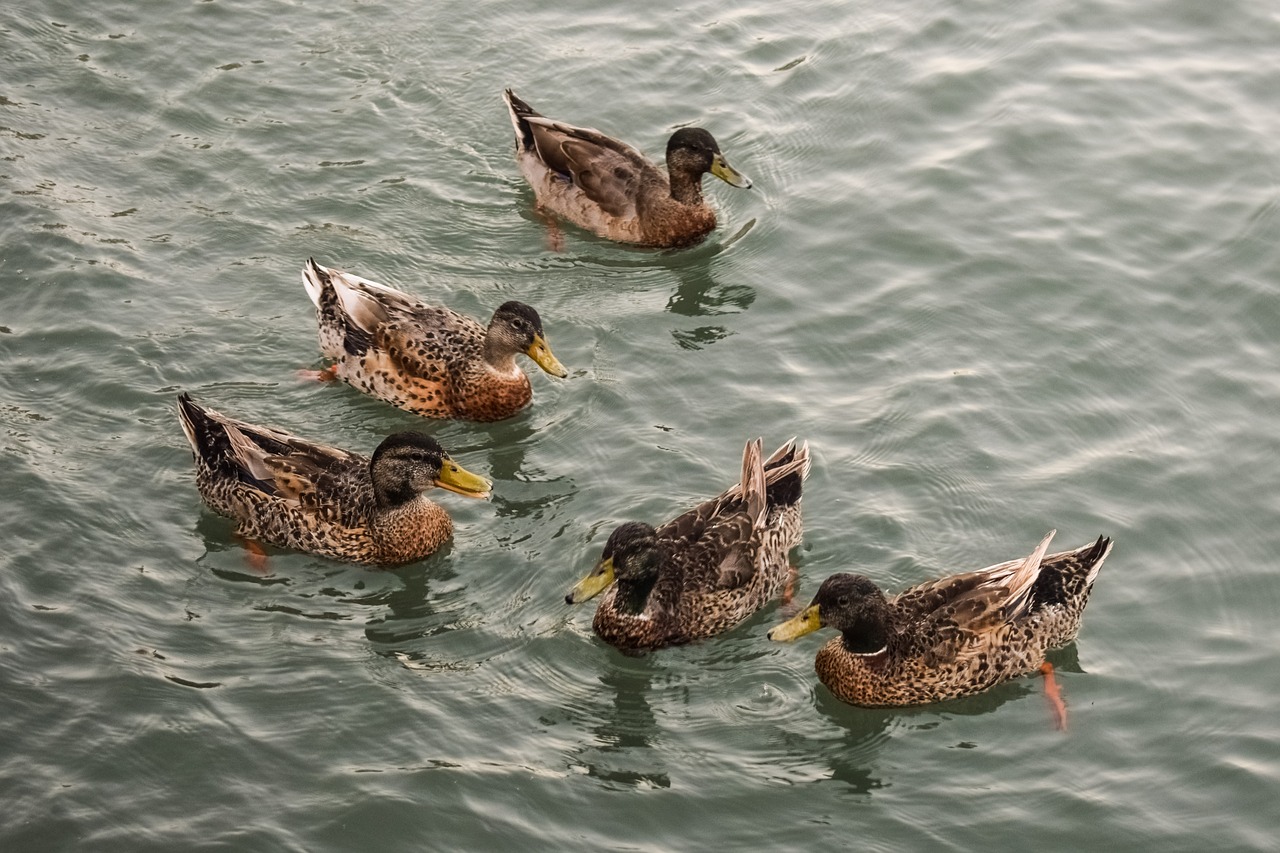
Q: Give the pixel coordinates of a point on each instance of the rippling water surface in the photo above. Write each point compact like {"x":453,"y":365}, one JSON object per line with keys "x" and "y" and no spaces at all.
{"x":1006,"y":266}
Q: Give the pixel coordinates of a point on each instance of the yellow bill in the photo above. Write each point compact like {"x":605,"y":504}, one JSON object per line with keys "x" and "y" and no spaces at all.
{"x":805,"y":622}
{"x":541,"y":355}
{"x":454,"y":478}
{"x":721,"y":169}
{"x":593,"y":584}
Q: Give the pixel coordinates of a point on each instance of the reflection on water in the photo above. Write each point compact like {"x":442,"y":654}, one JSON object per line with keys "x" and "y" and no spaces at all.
{"x":620,"y":752}
{"x":851,"y":760}
{"x":506,"y":457}
{"x":699,"y":338}
{"x":699,"y":295}
{"x":1066,"y":659}
{"x":219,"y":538}
{"x":396,"y":605}
{"x":412,"y":622}
{"x":521,"y":491}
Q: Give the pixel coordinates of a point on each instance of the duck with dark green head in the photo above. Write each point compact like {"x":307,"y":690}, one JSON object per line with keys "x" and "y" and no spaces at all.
{"x":706,"y":570}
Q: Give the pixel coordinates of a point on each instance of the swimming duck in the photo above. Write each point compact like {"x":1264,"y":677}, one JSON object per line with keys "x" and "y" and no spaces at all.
{"x":706,"y":570}
{"x":430,"y":361}
{"x":298,"y":494}
{"x":606,"y":186}
{"x":948,"y":637}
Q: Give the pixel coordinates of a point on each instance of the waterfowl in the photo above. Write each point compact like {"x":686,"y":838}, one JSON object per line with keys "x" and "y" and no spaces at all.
{"x":298,"y":494}
{"x":604,"y":185}
{"x":707,"y":569}
{"x":953,"y":636}
{"x":427,"y":360}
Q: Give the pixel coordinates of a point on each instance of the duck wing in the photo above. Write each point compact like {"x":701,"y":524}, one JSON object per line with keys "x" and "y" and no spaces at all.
{"x":407,"y":336}
{"x":955,"y":612}
{"x":426,"y":341}
{"x":270,"y":461}
{"x":608,"y":171}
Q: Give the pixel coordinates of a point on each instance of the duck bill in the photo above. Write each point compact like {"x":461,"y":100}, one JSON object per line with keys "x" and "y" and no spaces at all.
{"x":541,"y":355}
{"x":454,"y":478}
{"x":805,"y":622}
{"x":593,"y":584}
{"x":721,"y":169}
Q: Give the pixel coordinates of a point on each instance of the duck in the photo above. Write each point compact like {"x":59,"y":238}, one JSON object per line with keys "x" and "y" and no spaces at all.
{"x":428,"y":360}
{"x":952,"y":636}
{"x":298,"y":494}
{"x":605,"y":186}
{"x":707,"y":569}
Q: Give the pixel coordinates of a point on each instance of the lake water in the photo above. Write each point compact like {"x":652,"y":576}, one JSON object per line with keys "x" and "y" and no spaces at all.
{"x":1006,"y":266}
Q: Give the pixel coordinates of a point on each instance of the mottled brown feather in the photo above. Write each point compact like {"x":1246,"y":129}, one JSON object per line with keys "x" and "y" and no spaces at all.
{"x":428,"y":360}
{"x":606,"y":186}
{"x":721,"y":561}
{"x":298,"y":494}
{"x":961,"y":634}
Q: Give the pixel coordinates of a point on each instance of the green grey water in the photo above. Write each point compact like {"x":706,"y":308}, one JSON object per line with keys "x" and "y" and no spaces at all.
{"x":1006,"y":266}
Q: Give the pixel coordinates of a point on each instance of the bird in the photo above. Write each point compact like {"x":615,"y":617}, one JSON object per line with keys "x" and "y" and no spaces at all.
{"x":310,"y":497}
{"x":425,"y":359}
{"x":605,"y":186}
{"x":951,"y":636}
{"x":705,"y":570}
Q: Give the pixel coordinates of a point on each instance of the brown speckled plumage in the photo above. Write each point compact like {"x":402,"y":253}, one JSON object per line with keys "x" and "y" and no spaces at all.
{"x":709,"y":568}
{"x":604,"y":185}
{"x":425,"y":359}
{"x":323,"y":500}
{"x":953,"y":636}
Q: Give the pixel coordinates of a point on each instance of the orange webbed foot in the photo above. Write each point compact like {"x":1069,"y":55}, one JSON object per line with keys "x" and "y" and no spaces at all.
{"x":256,"y":556}
{"x":789,"y":588}
{"x":555,"y":236}
{"x":327,"y":374}
{"x":1054,"y":696}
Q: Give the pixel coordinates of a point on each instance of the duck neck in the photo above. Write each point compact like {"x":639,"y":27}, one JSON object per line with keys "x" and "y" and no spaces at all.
{"x":391,"y":492}
{"x":633,"y":595}
{"x":498,"y":355}
{"x":865,"y":639}
{"x":686,"y":187}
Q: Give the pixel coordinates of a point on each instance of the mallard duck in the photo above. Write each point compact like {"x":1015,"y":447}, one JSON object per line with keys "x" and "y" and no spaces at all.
{"x":606,"y":186}
{"x":298,"y":494}
{"x":948,"y":637}
{"x":427,"y":360}
{"x":705,"y":570}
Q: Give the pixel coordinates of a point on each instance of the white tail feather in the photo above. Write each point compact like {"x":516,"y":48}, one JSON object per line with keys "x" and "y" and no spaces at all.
{"x":344,"y":283}
{"x":1024,"y":576}
{"x":1093,"y":572}
{"x":188,"y":428}
{"x":311,"y":280}
{"x":515,"y":119}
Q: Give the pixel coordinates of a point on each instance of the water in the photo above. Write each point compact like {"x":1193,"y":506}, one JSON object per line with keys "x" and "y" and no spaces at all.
{"x":1006,"y":266}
